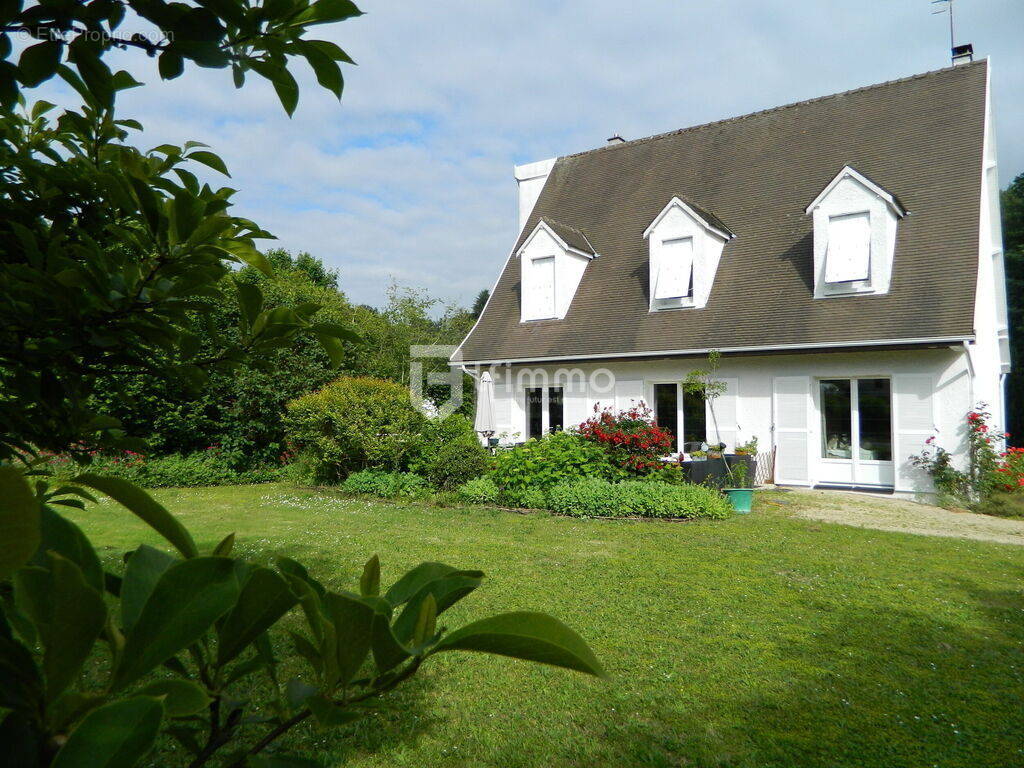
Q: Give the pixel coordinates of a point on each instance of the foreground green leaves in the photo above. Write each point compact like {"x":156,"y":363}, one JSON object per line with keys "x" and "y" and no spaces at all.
{"x":529,"y":636}
{"x":116,"y":735}
{"x":188,"y":633}
{"x":19,"y":521}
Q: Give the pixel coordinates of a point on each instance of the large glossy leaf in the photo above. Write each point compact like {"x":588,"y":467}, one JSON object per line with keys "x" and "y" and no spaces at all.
{"x":65,"y":538}
{"x":414,"y":580}
{"x":78,"y":616}
{"x":352,"y":620}
{"x":369,"y":582}
{"x":185,"y":602}
{"x":181,"y":697}
{"x":137,"y":501}
{"x":144,"y":569}
{"x":446,"y":592}
{"x":388,"y":651}
{"x":264,"y":599}
{"x":115,"y":735}
{"x":526,"y":635}
{"x":21,"y":684}
{"x":19,"y":521}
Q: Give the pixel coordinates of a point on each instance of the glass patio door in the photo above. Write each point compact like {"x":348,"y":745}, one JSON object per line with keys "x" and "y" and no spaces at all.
{"x":856,"y":432}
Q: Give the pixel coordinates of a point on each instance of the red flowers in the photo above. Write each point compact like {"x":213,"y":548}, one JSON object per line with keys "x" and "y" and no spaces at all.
{"x":632,"y":438}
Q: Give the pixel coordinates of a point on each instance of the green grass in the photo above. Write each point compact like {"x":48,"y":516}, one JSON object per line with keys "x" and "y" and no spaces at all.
{"x":761,"y":640}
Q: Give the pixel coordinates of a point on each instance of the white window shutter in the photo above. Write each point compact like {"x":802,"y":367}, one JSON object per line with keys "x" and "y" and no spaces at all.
{"x":848,"y":256}
{"x":544,"y":286}
{"x":914,"y":423}
{"x":723,"y":420}
{"x":675,"y":261}
{"x":792,"y":426}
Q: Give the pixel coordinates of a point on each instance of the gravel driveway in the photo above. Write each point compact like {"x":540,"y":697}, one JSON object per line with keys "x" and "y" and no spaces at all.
{"x":888,"y":514}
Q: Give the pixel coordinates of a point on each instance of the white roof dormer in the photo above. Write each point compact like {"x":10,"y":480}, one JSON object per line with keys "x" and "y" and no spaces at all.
{"x":685,"y":245}
{"x":854,"y":236}
{"x":552,"y":261}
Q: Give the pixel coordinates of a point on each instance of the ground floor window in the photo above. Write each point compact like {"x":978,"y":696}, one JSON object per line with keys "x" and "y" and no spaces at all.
{"x":537,"y":403}
{"x":690,"y":421}
{"x":856,"y":419}
{"x":534,"y":412}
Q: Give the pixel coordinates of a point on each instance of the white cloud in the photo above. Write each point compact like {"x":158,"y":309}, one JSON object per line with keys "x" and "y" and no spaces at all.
{"x":411,"y":175}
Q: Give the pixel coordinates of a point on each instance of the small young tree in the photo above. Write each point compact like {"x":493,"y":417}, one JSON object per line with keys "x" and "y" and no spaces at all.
{"x":705,"y":382}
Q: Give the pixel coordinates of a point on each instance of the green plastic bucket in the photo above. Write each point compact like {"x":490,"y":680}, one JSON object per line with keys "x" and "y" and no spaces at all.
{"x":740,"y":498}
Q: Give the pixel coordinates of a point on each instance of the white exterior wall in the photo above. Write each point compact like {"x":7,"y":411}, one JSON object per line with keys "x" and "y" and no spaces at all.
{"x":931,"y":395}
{"x":530,"y":179}
{"x":990,"y":352}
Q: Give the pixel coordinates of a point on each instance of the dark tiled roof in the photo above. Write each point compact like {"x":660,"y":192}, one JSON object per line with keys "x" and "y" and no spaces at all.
{"x":571,"y":236}
{"x":920,"y":138}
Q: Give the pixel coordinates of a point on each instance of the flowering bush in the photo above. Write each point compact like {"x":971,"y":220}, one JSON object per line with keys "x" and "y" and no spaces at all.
{"x":1010,"y":472}
{"x":988,"y":470}
{"x":633,"y":441}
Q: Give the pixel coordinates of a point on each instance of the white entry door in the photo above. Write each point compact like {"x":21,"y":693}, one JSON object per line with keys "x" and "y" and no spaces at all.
{"x":856,"y":446}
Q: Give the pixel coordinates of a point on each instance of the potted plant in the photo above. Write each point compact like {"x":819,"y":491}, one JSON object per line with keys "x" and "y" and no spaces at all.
{"x":699,"y":456}
{"x":741,"y":493}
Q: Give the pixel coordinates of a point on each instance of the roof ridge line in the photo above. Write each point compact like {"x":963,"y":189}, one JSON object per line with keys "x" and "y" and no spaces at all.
{"x":769,"y":110}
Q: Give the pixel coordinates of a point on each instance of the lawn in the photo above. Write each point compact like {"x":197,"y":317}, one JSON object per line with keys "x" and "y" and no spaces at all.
{"x":762,"y":640}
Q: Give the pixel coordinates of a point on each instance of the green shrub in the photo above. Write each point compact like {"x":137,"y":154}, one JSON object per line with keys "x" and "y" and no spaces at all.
{"x":553,"y":459}
{"x":479,"y":490}
{"x":636,"y":498}
{"x":209,"y":467}
{"x":450,"y":453}
{"x":352,"y":424}
{"x":387,"y":485}
{"x":530,"y":497}
{"x":1001,"y":504}
{"x":589,"y":497}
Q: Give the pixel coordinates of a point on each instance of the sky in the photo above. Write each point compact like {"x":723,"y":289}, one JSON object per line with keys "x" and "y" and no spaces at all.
{"x":409,"y":177}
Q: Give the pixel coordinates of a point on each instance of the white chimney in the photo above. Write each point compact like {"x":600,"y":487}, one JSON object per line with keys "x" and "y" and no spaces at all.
{"x":530,"y":178}
{"x":963,"y":54}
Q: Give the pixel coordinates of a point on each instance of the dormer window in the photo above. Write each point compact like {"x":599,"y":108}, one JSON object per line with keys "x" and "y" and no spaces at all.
{"x":552,"y":261}
{"x":685,"y":245}
{"x":854,"y":236}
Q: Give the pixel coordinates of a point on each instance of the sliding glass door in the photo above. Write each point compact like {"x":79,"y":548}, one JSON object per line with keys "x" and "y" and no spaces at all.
{"x":856,"y":431}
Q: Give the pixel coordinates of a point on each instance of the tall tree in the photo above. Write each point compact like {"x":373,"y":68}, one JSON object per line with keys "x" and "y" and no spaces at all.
{"x":1012,"y":199}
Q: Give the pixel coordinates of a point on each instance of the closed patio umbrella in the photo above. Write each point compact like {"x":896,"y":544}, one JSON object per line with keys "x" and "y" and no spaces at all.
{"x":484,"y":423}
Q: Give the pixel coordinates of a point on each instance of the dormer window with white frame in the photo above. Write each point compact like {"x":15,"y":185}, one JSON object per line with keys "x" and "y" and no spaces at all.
{"x":552,"y":261}
{"x":855,"y":224}
{"x":685,"y":245}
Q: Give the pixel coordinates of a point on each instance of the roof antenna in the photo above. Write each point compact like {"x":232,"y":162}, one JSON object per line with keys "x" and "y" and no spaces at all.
{"x":961,"y":54}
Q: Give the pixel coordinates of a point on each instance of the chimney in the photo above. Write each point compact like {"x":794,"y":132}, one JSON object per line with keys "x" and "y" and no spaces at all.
{"x":530,"y":179}
{"x":616,"y":139}
{"x":963,"y":54}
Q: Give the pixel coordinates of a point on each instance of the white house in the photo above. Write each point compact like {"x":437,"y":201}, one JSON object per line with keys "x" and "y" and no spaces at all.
{"x":843,"y":254}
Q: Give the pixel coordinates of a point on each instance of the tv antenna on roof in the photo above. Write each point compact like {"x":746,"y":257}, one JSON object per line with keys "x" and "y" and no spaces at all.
{"x":948,"y":6}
